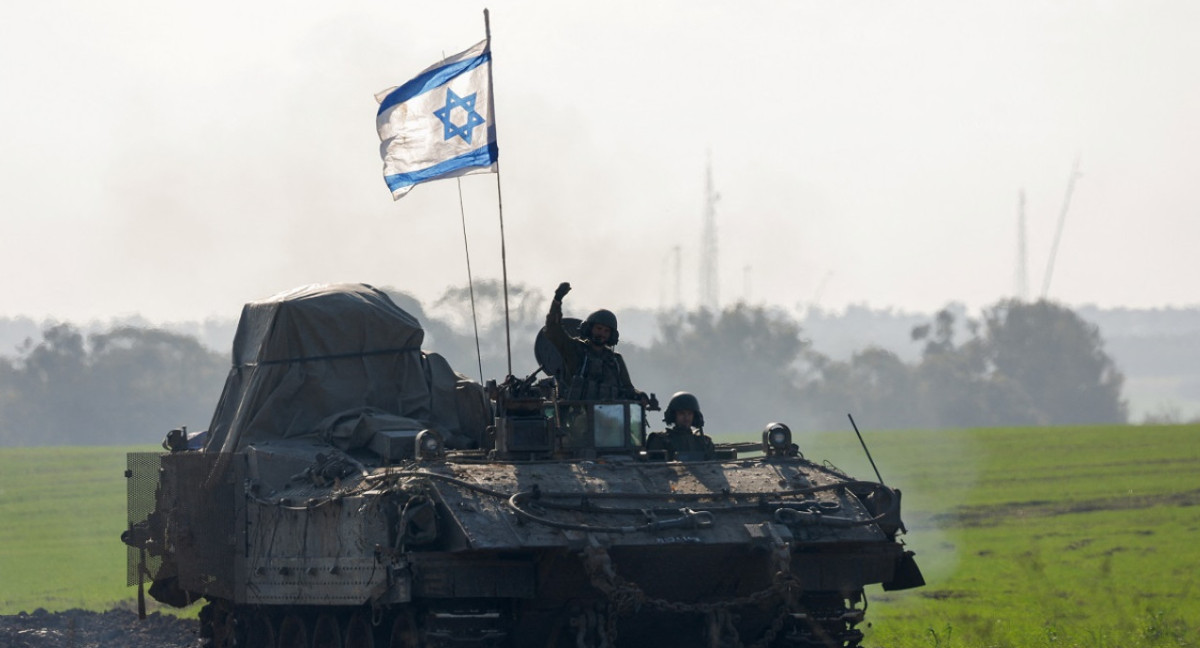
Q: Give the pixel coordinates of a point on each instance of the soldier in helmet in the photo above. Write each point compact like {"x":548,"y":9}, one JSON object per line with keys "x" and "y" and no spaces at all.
{"x":592,"y":370}
{"x":685,"y":430}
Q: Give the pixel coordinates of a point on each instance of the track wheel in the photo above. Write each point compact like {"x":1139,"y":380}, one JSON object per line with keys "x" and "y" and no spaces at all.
{"x":259,"y":631}
{"x":404,"y":631}
{"x":359,"y":633}
{"x":292,"y":632}
{"x":327,"y":633}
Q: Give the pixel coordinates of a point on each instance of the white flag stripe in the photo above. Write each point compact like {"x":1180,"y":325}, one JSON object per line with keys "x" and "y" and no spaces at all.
{"x":439,"y":124}
{"x":405,"y":127}
{"x":435,"y":75}
{"x":481,"y":160}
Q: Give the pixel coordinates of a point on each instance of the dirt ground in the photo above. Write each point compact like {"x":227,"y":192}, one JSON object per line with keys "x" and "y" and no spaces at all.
{"x":81,"y":629}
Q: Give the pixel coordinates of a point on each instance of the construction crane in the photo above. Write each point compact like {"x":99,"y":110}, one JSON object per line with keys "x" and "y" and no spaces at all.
{"x":1062,"y":217}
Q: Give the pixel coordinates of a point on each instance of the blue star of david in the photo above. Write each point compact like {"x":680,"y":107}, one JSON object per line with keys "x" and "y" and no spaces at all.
{"x":467,"y":103}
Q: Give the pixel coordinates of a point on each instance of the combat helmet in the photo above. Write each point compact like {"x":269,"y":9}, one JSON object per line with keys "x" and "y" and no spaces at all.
{"x":684,"y":401}
{"x":602,"y":316}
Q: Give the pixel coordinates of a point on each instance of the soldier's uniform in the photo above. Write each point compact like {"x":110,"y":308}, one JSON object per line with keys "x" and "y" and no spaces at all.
{"x":682,"y":438}
{"x":589,"y":373}
{"x":676,"y":439}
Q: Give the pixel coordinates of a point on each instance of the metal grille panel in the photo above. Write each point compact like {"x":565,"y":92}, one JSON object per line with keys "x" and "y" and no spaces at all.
{"x":141,"y":483}
{"x":202,"y":518}
{"x":184,"y":504}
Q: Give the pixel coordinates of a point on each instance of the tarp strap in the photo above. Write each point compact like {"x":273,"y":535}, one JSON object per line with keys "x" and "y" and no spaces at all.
{"x":338,"y":356}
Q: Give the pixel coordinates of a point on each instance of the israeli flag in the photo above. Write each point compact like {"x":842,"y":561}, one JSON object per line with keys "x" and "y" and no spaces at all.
{"x":439,"y":125}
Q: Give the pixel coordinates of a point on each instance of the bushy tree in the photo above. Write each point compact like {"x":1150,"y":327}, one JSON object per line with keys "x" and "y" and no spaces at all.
{"x":146,"y":381}
{"x":952,"y":380}
{"x":1024,"y":364}
{"x":128,"y":385}
{"x":450,"y":327}
{"x":875,"y":385}
{"x":1054,"y":361}
{"x":742,"y":363}
{"x":47,"y":389}
{"x":1031,"y":364}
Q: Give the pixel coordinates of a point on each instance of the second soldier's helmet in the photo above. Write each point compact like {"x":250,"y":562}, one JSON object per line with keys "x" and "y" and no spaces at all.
{"x":684,"y":401}
{"x":602,"y":316}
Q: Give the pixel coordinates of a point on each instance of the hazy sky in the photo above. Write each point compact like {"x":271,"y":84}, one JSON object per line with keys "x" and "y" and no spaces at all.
{"x":179,"y":159}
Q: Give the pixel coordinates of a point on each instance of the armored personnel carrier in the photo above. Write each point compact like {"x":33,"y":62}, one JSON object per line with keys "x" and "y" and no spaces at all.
{"x":353,"y":491}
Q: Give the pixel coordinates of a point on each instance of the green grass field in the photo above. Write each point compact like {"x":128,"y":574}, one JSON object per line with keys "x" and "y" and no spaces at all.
{"x":1040,"y":537}
{"x":1083,"y":536}
{"x":62,"y":511}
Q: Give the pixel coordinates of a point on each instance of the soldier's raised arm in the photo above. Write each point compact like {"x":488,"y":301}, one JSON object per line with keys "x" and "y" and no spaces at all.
{"x":554,"y":329}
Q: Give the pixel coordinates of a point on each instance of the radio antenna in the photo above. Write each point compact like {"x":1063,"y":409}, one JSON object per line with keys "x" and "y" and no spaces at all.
{"x":864,"y":445}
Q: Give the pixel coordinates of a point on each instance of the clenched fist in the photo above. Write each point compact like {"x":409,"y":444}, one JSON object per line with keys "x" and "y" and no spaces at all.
{"x":561,"y":291}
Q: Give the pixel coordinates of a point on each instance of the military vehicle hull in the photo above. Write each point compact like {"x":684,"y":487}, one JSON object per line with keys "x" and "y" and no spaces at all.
{"x":558,"y":529}
{"x":534,"y":553}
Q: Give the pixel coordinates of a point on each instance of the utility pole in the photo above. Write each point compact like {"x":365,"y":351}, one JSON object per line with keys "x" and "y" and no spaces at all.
{"x":746,"y":284}
{"x":1022,"y":258}
{"x":669,"y":298}
{"x":709,"y":297}
{"x":678,"y":278}
{"x":662,"y":286}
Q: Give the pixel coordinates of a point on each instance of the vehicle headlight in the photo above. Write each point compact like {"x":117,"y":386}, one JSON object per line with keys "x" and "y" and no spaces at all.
{"x":429,"y":444}
{"x":777,"y":439}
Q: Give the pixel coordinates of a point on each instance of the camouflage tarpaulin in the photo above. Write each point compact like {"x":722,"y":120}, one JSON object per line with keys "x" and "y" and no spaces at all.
{"x":305,"y":354}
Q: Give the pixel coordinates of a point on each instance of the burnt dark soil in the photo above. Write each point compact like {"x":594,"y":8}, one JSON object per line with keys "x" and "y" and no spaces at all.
{"x":997,"y":514}
{"x":82,"y":629}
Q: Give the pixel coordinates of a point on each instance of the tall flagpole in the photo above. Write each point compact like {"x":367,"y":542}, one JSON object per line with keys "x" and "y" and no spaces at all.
{"x":487,"y":28}
{"x":462,"y":212}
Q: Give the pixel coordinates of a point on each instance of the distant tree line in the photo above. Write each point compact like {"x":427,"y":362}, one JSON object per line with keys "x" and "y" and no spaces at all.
{"x":1021,"y":364}
{"x":127,"y":385}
